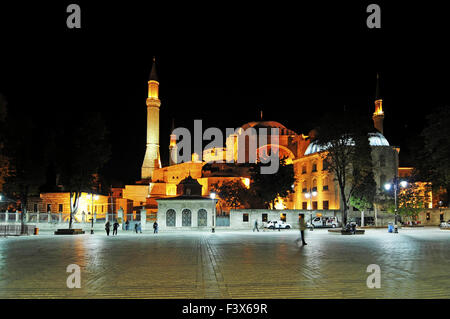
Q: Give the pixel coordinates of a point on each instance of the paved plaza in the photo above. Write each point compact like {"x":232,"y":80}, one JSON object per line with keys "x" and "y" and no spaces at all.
{"x":228,"y":264}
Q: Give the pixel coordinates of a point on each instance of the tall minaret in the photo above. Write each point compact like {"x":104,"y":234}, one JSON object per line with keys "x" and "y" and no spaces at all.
{"x":152,"y":159}
{"x":378,"y":115}
{"x":173,"y":149}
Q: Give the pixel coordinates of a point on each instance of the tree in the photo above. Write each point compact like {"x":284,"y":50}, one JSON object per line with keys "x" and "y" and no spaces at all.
{"x":431,"y":157}
{"x":24,"y":148}
{"x":4,"y":162}
{"x":233,"y":193}
{"x":86,"y":149}
{"x":269,"y":187}
{"x":410,"y":201}
{"x":345,"y":141}
{"x":363,"y":196}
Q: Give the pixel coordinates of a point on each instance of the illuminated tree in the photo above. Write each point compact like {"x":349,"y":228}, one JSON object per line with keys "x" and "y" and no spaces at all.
{"x":232,"y":193}
{"x":410,"y":201}
{"x":364,"y":194}
{"x":269,"y":187}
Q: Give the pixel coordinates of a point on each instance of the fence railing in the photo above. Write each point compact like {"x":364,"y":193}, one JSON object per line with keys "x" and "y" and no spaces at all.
{"x":16,"y":230}
{"x":42,"y":217}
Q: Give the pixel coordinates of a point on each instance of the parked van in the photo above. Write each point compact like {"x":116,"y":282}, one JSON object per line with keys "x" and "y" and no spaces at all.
{"x":324,"y":222}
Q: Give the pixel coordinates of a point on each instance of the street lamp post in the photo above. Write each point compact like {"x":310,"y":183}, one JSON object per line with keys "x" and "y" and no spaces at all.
{"x":92,"y":211}
{"x":213,"y":196}
{"x":395,"y":184}
{"x":310,"y":195}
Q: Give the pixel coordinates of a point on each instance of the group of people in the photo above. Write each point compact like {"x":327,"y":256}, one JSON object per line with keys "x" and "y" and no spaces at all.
{"x":108,"y":228}
{"x":301,"y":224}
{"x":137,"y":227}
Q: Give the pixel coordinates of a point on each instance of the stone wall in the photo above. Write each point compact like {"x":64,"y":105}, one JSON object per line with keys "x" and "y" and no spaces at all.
{"x":237,"y":216}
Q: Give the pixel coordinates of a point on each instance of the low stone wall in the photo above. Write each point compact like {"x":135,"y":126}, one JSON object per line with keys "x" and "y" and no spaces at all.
{"x":237,"y":216}
{"x":429,"y":217}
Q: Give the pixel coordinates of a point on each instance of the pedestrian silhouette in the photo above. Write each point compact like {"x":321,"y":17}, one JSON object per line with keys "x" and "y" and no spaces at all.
{"x":115,"y":227}
{"x":155,"y":227}
{"x":302,"y":226}
{"x":107,"y":228}
{"x":256,"y":226}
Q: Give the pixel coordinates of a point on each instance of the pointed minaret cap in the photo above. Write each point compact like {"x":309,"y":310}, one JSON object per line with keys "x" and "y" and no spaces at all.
{"x":153,"y":75}
{"x":377,"y":90}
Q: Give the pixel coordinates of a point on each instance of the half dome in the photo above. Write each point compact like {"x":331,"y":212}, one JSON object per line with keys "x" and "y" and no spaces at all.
{"x":375,"y":139}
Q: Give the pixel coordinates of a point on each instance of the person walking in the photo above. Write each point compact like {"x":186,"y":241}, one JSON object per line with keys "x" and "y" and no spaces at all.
{"x":127,"y":224}
{"x":155,"y":227}
{"x":140,"y":228}
{"x":115,"y":227}
{"x":107,"y":228}
{"x":136,"y":228}
{"x":256,"y":226}
{"x":302,"y":226}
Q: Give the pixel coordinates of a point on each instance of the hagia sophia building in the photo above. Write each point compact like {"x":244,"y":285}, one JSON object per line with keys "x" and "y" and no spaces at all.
{"x":315,"y":188}
{"x":161,"y":182}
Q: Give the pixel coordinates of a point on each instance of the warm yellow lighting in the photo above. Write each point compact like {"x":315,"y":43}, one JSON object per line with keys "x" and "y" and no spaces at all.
{"x":378,"y":107}
{"x":279,"y":204}
{"x":173,"y":140}
{"x":153,"y":87}
{"x":246,"y":182}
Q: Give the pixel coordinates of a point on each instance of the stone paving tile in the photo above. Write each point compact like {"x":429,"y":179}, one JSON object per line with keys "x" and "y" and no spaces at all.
{"x":240,"y":264}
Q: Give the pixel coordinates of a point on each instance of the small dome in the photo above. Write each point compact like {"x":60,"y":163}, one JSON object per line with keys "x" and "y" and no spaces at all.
{"x":189,"y":187}
{"x":189,"y":181}
{"x":375,"y":139}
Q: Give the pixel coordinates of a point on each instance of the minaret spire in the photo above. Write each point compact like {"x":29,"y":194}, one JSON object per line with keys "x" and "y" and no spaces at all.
{"x":152,"y":159}
{"x":153,"y":74}
{"x":173,"y":149}
{"x":378,"y":115}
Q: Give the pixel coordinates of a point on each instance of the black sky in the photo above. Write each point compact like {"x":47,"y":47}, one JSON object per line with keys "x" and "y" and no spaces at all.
{"x":223,"y":63}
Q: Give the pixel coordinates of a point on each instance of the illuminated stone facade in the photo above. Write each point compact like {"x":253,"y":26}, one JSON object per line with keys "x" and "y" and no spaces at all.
{"x":315,"y":187}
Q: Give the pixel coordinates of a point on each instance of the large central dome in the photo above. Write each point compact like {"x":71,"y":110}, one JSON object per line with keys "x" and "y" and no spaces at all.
{"x":269,"y":124}
{"x":375,"y":139}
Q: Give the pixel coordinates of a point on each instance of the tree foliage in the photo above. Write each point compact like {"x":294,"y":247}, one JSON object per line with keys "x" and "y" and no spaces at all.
{"x":410,"y":201}
{"x":269,"y":187}
{"x":233,"y":193}
{"x":25,"y":150}
{"x":85,"y":149}
{"x":4,"y":161}
{"x":431,"y":157}
{"x":345,"y":139}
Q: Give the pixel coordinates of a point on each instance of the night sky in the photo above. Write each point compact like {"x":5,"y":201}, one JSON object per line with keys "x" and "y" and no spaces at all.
{"x":223,"y":63}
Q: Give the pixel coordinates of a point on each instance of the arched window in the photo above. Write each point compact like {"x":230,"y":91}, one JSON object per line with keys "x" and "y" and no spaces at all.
{"x":170,"y":218}
{"x":324,"y":165}
{"x":186,"y":220}
{"x":314,"y":188}
{"x":202,"y":217}
{"x":325,"y":183}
